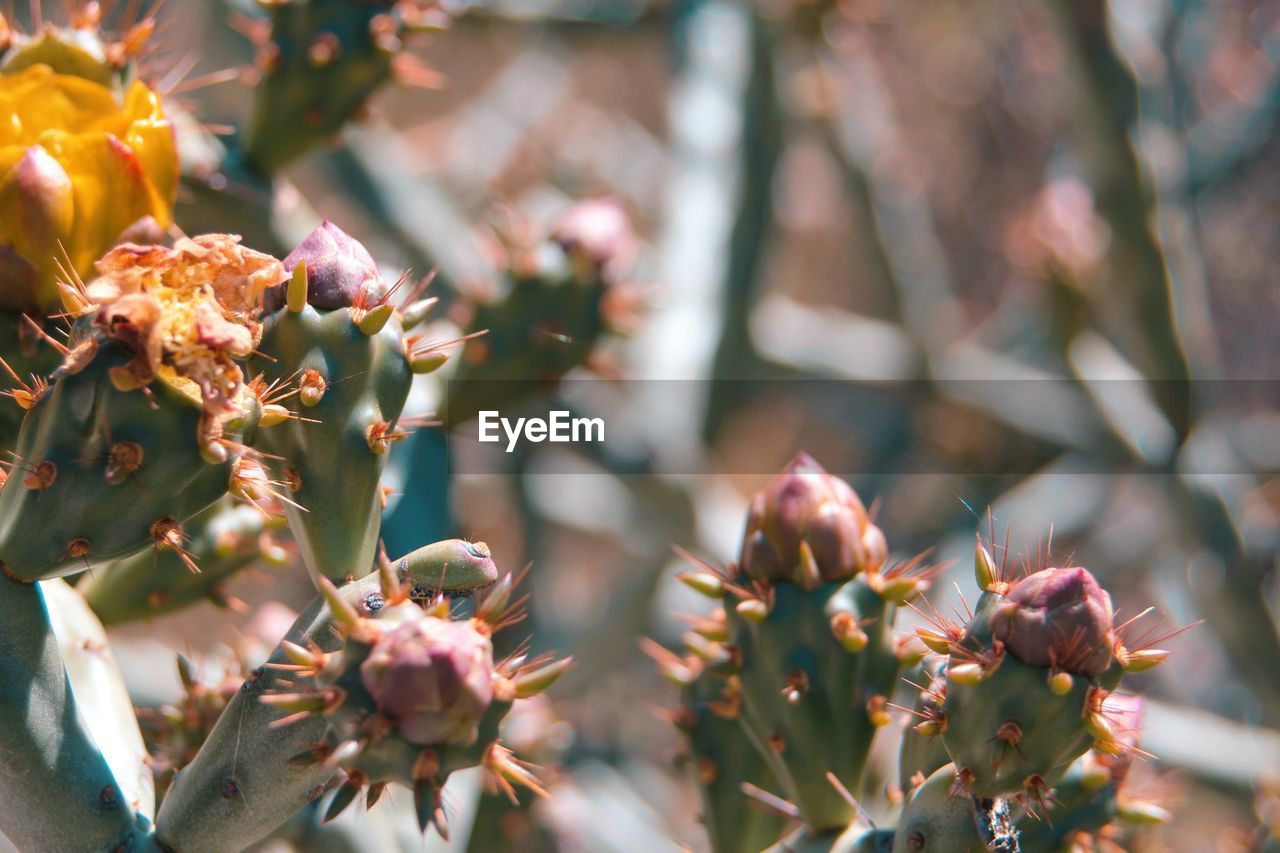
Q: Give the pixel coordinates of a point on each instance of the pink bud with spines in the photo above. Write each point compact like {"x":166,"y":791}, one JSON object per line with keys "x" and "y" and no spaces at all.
{"x":339,"y":269}
{"x":432,"y":679}
{"x":1060,"y":618}
{"x":809,"y":527}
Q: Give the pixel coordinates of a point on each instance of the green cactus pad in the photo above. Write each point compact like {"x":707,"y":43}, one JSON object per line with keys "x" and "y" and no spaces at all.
{"x":223,"y":541}
{"x":27,"y":357}
{"x":827,"y":725}
{"x":938,"y":819}
{"x":922,"y":753}
{"x":59,"y":791}
{"x":68,"y":505}
{"x":540,"y":328}
{"x":335,"y":465}
{"x":722,"y":761}
{"x":1010,"y":731}
{"x":323,"y":61}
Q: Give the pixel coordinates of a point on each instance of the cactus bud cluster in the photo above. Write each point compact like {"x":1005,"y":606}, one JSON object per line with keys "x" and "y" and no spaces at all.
{"x":808,"y":528}
{"x":807,"y":649}
{"x":413,"y":695}
{"x":799,"y":652}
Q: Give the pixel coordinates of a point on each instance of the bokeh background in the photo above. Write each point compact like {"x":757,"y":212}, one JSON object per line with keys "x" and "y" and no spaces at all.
{"x":1049,"y":226}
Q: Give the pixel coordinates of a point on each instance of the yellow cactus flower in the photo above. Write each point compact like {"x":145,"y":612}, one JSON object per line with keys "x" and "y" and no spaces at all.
{"x":79,"y":164}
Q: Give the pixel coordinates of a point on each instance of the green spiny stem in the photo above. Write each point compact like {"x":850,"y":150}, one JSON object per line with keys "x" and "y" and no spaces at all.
{"x":325,"y":58}
{"x":59,"y":790}
{"x":920,"y":753}
{"x":826,"y":724}
{"x":722,"y":762}
{"x":72,"y":450}
{"x":1084,"y":801}
{"x":223,"y":541}
{"x":335,"y":465}
{"x":1139,"y":295}
{"x":243,"y":783}
{"x":545,"y":323}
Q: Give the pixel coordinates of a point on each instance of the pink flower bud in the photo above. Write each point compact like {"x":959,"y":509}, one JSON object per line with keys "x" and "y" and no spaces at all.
{"x":599,"y":233}
{"x":808,"y":526}
{"x":1059,"y":618}
{"x":432,"y":678}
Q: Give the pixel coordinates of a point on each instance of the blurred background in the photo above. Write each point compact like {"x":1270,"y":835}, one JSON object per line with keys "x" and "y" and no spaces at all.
{"x":1016,"y":256}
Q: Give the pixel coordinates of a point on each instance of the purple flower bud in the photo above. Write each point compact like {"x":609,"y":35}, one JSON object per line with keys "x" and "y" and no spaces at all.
{"x":432,"y":678}
{"x":339,"y":268}
{"x":808,"y":527}
{"x":1059,"y":618}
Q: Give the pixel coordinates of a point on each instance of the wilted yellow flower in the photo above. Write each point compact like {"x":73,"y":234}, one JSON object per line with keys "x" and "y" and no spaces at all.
{"x":80,"y":164}
{"x":188,"y":312}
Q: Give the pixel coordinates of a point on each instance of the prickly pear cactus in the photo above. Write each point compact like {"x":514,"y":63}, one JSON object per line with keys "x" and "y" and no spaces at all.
{"x":939,"y":819}
{"x":340,"y":342}
{"x":142,"y":424}
{"x":809,"y":609}
{"x":411,"y":698}
{"x":1027,"y":680}
{"x":225,"y":801}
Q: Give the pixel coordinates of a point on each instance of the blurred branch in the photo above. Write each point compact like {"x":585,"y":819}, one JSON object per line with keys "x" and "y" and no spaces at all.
{"x":1138,"y":306}
{"x":762,"y":140}
{"x":1209,"y":745}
